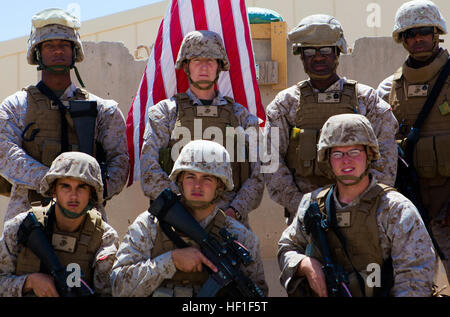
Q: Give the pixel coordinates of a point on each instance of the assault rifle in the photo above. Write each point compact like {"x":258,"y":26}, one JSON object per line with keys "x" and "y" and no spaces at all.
{"x":336,"y":278}
{"x":31,"y":235}
{"x":227,"y":256}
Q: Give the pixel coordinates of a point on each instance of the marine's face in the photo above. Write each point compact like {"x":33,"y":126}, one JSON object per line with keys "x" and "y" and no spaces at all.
{"x":56,"y":53}
{"x":419,"y":40}
{"x":199,"y":188}
{"x":319,"y":60}
{"x":348,"y":160}
{"x":72,"y":194}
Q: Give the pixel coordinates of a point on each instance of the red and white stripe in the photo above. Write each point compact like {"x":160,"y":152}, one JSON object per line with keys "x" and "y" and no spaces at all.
{"x":161,"y":81}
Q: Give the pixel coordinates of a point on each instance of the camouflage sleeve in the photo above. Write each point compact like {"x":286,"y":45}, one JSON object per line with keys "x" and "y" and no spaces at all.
{"x":280,"y":116}
{"x":385,"y":126}
{"x":135,"y":273}
{"x":11,"y":285}
{"x":404,"y":236}
{"x":384,"y":88}
{"x":250,"y":194}
{"x":104,"y":261}
{"x":157,"y":134}
{"x":291,"y":248}
{"x":255,"y":271}
{"x":15,"y":165}
{"x":111,"y":134}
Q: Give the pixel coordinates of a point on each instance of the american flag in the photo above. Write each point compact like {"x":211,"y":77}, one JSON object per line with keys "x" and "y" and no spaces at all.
{"x":160,"y":80}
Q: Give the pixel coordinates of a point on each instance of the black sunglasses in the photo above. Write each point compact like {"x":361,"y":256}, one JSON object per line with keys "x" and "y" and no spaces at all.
{"x":411,"y":33}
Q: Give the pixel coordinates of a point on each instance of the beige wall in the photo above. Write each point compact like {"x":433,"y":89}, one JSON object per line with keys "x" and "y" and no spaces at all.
{"x":139,"y":27}
{"x":110,"y":71}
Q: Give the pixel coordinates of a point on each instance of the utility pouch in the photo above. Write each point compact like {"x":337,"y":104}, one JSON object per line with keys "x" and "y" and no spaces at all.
{"x":50,"y":150}
{"x":442,"y":143}
{"x":302,"y":151}
{"x":425,"y":157}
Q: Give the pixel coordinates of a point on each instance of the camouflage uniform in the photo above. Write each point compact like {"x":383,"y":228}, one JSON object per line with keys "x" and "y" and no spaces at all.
{"x":401,"y":232}
{"x":161,"y":123}
{"x":79,"y":166}
{"x":25,"y":172}
{"x":283,"y":187}
{"x":136,"y":273}
{"x":435,"y":189}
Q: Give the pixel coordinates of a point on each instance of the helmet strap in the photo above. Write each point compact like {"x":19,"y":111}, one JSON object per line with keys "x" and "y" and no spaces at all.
{"x":73,"y":215}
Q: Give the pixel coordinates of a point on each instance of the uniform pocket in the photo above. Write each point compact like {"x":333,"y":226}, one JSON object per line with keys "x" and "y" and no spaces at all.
{"x":50,"y":150}
{"x":442,"y":143}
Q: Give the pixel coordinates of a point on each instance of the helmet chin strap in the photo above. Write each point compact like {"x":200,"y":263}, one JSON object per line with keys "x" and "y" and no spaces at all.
{"x":73,"y":215}
{"x":356,"y":179}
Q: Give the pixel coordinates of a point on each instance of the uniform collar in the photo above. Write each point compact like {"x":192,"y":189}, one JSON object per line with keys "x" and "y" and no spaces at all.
{"x":356,"y":201}
{"x":219,"y":100}
{"x":337,"y":86}
{"x":205,"y":222}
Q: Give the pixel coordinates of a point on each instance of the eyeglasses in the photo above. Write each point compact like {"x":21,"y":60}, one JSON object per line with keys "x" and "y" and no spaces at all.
{"x":337,"y":155}
{"x":312,"y":51}
{"x":411,"y":33}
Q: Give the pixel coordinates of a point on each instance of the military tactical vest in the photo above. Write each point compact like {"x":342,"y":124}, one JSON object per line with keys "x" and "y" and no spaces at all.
{"x":77,"y":247}
{"x":211,"y":116}
{"x":314,"y":108}
{"x":186,"y":279}
{"x":359,"y":227}
{"x":410,"y":89}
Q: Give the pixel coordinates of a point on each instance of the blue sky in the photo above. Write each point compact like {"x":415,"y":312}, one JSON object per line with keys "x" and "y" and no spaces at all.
{"x":16,"y":14}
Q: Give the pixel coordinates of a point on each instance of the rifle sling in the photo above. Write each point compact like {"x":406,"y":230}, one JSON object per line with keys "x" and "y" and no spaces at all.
{"x":425,"y":111}
{"x":62,"y":110}
{"x":332,"y":223}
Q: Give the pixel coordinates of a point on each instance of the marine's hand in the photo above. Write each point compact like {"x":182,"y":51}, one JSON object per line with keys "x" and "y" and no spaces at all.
{"x":191,"y":260}
{"x":312,"y":269}
{"x":41,"y":284}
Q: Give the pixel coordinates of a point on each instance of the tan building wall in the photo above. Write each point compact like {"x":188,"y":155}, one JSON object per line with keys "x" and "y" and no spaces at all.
{"x":111,"y":71}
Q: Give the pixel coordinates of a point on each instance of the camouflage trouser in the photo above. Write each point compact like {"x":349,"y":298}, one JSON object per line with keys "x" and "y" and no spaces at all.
{"x":19,"y":203}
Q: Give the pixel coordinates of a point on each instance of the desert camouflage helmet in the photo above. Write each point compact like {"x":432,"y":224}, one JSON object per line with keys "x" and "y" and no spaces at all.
{"x":318,"y":30}
{"x":346,"y":130}
{"x":76,"y":165}
{"x":54,"y":24}
{"x":417,"y":13}
{"x":205,"y":44}
{"x":205,"y":157}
